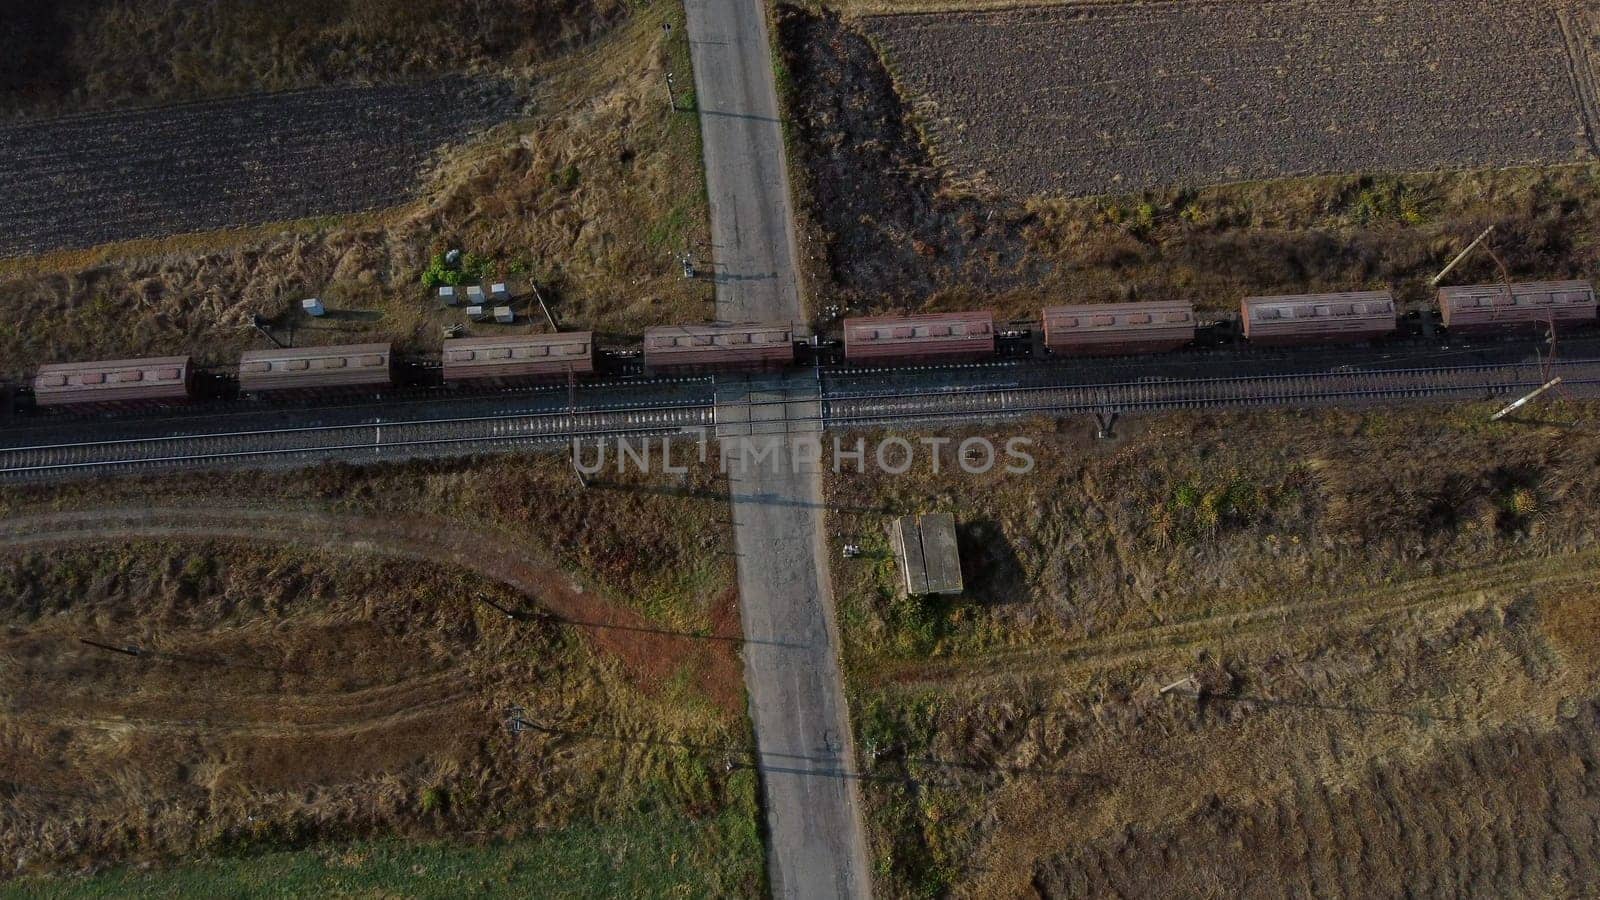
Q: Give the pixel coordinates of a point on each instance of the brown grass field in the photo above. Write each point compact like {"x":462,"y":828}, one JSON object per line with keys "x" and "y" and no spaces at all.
{"x":328,"y":655}
{"x":590,"y":197}
{"x":1383,"y":613}
{"x":888,"y":227}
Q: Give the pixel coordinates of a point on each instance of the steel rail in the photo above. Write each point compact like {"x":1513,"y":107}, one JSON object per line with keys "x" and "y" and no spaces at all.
{"x":976,"y":403}
{"x":385,"y":439}
{"x":398,"y":423}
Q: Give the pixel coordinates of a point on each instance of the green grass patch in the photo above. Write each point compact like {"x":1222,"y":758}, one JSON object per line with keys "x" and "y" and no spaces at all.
{"x":655,"y":856}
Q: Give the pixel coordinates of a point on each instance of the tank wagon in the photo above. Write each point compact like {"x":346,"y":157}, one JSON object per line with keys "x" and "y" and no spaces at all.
{"x":1318,"y":318}
{"x":935,"y":338}
{"x":1483,"y":307}
{"x":1117,"y":328}
{"x":115,"y":383}
{"x":749,"y":346}
{"x":317,"y":369}
{"x":518,"y":358}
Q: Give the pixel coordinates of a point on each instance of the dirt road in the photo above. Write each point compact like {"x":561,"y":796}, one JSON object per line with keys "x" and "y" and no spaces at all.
{"x":649,"y":655}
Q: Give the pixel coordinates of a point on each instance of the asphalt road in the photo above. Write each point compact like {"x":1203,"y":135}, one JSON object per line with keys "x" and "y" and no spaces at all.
{"x":807,"y":761}
{"x":752,"y":234}
{"x":816,"y":845}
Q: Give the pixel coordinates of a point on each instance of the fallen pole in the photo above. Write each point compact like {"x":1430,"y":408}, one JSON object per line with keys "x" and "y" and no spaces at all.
{"x":1525,"y":400}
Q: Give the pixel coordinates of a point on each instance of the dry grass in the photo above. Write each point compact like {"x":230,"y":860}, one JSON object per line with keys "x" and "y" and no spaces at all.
{"x":333,"y":663}
{"x":655,"y":543}
{"x":1190,"y":517}
{"x":96,"y":53}
{"x":1372,"y":603}
{"x":290,"y":697}
{"x":1215,"y":245}
{"x":590,"y":197}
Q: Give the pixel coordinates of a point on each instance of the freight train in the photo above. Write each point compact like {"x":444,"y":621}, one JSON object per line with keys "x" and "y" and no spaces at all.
{"x":1085,"y":330}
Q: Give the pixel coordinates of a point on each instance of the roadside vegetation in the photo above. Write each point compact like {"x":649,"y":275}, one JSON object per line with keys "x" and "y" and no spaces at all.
{"x":659,"y":856}
{"x":590,"y":198}
{"x":1357,"y":614}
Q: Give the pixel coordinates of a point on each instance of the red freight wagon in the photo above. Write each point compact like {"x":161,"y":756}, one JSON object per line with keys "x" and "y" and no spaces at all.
{"x":938,"y":337}
{"x":751,"y":345}
{"x":355,"y":366}
{"x":1318,"y":318}
{"x":120,"y":382}
{"x":1112,"y":328}
{"x":519,"y":357}
{"x":1481,"y":307}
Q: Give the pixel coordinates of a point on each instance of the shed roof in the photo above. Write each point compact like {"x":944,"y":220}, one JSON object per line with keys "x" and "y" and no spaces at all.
{"x":928,"y":553}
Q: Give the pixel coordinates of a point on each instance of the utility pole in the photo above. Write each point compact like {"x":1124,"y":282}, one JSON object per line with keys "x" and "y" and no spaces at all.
{"x":1526,"y":399}
{"x":672,"y":101}
{"x":1461,"y":256}
{"x":261,"y":324}
{"x":540,"y":297}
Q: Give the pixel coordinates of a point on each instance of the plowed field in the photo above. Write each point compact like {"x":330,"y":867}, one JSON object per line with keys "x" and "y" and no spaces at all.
{"x":1093,"y":99}
{"x":84,"y":180}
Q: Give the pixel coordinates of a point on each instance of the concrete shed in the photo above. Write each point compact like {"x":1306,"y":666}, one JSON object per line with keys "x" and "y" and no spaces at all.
{"x":929,"y":557}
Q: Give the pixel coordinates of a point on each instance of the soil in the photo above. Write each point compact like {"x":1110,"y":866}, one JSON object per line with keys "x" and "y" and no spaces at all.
{"x":887,"y":225}
{"x":881,"y":215}
{"x":81,"y":55}
{"x":1511,"y":813}
{"x":1102,"y":98}
{"x":93,"y":179}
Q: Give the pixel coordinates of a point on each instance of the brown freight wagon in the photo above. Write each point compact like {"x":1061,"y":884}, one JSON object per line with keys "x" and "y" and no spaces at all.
{"x":933,"y":338}
{"x":316,"y":369}
{"x":1318,"y":318}
{"x":1484,"y":307}
{"x":693,"y":348}
{"x":119,"y":382}
{"x":1112,"y":328}
{"x":532,"y":357}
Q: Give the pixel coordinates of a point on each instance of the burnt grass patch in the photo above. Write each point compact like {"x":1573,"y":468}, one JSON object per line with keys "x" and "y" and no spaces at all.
{"x":84,"y":180}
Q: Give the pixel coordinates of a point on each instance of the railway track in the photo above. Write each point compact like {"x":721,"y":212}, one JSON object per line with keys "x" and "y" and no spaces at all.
{"x":363,"y":442}
{"x":375,"y":440}
{"x":1462,"y":383}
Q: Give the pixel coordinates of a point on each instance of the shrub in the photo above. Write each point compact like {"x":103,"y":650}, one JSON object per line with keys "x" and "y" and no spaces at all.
{"x":471,"y":268}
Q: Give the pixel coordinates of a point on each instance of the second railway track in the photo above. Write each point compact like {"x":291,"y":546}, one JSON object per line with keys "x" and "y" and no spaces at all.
{"x":369,"y":441}
{"x":376,"y":440}
{"x":1460,"y":383}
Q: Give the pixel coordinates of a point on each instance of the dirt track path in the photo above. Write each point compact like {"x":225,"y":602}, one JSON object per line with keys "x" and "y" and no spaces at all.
{"x":1453,"y":592}
{"x":650,"y":655}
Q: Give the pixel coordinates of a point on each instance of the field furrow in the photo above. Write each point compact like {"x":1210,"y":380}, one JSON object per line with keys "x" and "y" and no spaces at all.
{"x":84,"y":180}
{"x":1092,"y":99}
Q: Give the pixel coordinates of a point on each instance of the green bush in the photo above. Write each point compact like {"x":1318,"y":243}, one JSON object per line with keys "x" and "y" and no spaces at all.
{"x":471,"y":268}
